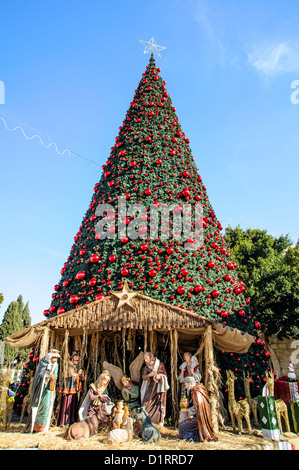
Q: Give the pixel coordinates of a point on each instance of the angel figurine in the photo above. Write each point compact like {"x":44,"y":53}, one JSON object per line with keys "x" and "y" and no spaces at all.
{"x":129,"y":386}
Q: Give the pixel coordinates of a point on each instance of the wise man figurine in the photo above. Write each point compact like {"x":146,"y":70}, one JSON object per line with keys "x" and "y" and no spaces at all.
{"x":43,"y":393}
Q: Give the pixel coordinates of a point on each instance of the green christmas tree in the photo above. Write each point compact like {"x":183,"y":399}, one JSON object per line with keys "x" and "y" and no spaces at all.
{"x":149,"y":180}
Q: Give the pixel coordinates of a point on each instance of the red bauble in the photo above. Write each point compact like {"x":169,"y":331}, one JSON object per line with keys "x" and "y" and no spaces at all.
{"x":60,"y":310}
{"x":80,"y":275}
{"x":224,"y":314}
{"x":152,"y":272}
{"x":227,"y":277}
{"x":257,"y":325}
{"x":100,"y":296}
{"x":56,"y":287}
{"x":169,"y":250}
{"x":92,"y":282}
{"x":181,"y":290}
{"x":184,"y":272}
{"x":197,"y":289}
{"x":74,"y":299}
{"x":144,"y":247}
{"x":124,"y":272}
{"x":215,"y":293}
{"x":148,"y":192}
{"x":94,"y":258}
{"x":112,"y":258}
{"x":125,"y":240}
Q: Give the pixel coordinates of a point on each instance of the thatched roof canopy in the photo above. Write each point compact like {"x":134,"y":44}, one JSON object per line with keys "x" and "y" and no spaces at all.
{"x":137,"y":311}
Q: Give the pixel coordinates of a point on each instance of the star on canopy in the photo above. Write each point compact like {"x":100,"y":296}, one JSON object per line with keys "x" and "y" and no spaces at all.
{"x":152,"y":46}
{"x":125,"y":296}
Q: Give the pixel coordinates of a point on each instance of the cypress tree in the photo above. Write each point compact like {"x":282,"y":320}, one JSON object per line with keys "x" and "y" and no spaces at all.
{"x":11,"y":323}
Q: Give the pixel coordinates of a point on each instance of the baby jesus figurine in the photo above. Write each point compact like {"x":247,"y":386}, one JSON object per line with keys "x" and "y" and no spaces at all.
{"x":119,"y":414}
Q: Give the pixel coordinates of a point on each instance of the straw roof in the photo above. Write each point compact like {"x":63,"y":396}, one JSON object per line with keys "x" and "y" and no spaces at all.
{"x":132,"y":310}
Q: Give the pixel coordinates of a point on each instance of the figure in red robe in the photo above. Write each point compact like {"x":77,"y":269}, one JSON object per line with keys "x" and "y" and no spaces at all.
{"x":154,"y":388}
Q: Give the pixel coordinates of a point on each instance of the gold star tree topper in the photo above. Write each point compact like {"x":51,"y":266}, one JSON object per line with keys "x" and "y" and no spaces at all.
{"x":125,"y":296}
{"x":152,"y":46}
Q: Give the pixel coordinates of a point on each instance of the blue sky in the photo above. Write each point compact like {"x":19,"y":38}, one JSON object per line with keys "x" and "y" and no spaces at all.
{"x":70,"y":69}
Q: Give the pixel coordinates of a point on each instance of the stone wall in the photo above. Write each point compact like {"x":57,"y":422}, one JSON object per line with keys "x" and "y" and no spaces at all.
{"x":282,"y":352}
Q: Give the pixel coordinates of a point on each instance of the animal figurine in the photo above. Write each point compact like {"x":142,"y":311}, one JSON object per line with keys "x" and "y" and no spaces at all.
{"x":281,"y":407}
{"x":237,"y":409}
{"x":119,"y":435}
{"x":87,"y":427}
{"x":253,"y":403}
{"x":149,"y":433}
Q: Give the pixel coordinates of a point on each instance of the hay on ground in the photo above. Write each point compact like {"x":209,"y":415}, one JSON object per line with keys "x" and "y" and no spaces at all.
{"x":54,"y":439}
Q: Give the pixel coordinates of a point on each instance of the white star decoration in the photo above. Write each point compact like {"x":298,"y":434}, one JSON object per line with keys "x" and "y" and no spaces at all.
{"x":152,"y":46}
{"x":125,"y":296}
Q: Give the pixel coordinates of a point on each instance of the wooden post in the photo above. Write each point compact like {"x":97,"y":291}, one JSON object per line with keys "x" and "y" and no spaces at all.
{"x":174,"y":374}
{"x":124,"y":349}
{"x":44,"y":343}
{"x":211,"y":377}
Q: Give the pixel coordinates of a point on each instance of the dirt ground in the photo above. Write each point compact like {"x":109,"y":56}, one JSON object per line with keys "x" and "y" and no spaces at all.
{"x":15,"y":438}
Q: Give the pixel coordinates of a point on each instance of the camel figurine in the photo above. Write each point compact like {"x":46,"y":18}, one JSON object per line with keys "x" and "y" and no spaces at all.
{"x":237,"y":409}
{"x":26,"y":399}
{"x":6,"y":407}
{"x":253,"y":403}
{"x":281,"y":407}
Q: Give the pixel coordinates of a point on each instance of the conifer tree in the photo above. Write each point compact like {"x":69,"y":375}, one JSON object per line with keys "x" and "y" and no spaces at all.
{"x":15,"y":319}
{"x":26,"y":318}
{"x":11,"y":323}
{"x":150,"y":169}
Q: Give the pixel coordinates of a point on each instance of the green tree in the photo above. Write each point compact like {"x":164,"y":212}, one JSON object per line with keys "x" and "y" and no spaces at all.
{"x":269,"y":268}
{"x":11,"y":323}
{"x":151,"y":165}
{"x":26,"y":318}
{"x":15,"y":319}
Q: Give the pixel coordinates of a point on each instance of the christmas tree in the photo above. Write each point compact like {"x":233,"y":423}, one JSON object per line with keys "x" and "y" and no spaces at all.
{"x":150,"y":223}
